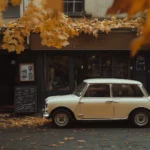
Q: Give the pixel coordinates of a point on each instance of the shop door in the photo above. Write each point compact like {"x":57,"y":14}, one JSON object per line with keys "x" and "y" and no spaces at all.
{"x":7,"y":79}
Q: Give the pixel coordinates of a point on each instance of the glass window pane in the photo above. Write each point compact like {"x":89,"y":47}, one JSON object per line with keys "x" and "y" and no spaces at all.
{"x":73,"y":6}
{"x":58,"y":73}
{"x":122,"y":68}
{"x":12,"y":12}
{"x":79,"y":73}
{"x":78,"y":7}
{"x":137,"y":91}
{"x":68,"y":7}
{"x":105,"y":66}
{"x":93,"y":66}
{"x":125,"y":90}
{"x":98,"y":90}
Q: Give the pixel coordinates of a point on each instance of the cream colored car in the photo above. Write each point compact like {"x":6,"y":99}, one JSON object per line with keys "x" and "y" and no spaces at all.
{"x":101,"y":99}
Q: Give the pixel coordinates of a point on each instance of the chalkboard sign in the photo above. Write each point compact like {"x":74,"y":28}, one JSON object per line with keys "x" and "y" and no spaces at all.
{"x":25,"y":99}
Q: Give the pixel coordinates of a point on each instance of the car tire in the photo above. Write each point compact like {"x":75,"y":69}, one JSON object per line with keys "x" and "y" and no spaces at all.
{"x":140,"y":118}
{"x":61,"y":118}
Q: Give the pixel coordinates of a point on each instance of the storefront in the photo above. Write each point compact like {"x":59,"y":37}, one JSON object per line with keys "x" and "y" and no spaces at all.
{"x":64,"y":72}
{"x":58,"y":72}
{"x":108,"y":56}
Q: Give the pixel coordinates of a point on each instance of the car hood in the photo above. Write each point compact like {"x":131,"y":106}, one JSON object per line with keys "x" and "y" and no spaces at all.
{"x":61,"y":98}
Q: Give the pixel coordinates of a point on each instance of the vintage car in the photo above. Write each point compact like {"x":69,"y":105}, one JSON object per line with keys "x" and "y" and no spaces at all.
{"x":101,"y":99}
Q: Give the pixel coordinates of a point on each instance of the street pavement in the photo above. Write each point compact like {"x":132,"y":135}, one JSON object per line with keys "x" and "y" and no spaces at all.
{"x":115,"y":135}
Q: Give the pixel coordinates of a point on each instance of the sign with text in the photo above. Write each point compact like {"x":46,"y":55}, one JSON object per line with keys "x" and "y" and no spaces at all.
{"x":25,"y":99}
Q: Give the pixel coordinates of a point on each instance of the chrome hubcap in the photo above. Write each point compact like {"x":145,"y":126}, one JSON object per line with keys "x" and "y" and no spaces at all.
{"x":141,"y":119}
{"x":61,"y":119}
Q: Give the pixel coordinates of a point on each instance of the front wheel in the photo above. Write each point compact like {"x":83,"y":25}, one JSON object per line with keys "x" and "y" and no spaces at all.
{"x":61,"y":118}
{"x":140,"y":118}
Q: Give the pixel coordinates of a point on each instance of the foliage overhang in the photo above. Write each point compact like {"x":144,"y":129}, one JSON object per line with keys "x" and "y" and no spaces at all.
{"x":56,"y":28}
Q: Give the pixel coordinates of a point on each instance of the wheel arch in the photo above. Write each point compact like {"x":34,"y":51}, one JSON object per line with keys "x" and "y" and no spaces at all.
{"x":139,"y":108}
{"x":63,"y":108}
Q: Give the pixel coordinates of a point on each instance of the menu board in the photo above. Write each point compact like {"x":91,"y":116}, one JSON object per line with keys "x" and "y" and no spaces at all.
{"x":25,"y":99}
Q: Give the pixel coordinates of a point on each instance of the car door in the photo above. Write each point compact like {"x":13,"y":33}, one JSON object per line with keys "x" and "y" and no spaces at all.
{"x":127,"y":97}
{"x":96,"y":103}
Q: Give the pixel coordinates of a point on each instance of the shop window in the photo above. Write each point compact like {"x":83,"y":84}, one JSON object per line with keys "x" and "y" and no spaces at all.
{"x":124,"y":90}
{"x":11,"y":11}
{"x":73,"y":7}
{"x":122,"y":69}
{"x":98,"y":90}
{"x":57,"y":73}
{"x":140,"y":63}
{"x":79,"y":69}
{"x":99,"y":66}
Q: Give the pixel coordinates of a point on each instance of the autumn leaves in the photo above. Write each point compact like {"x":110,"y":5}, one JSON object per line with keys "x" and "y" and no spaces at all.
{"x":55,"y":28}
{"x":132,"y":7}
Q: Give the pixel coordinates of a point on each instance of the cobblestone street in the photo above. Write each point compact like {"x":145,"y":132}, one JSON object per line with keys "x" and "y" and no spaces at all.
{"x":86,"y":136}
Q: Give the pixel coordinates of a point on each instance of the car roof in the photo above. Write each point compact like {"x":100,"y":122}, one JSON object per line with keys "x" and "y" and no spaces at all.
{"x":111,"y":80}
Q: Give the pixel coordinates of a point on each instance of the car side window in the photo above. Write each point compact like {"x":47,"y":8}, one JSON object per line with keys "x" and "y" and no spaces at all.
{"x":126,"y":90}
{"x":98,"y":90}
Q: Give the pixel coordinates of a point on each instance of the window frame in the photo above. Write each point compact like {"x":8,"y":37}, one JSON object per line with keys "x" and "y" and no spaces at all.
{"x":7,"y":14}
{"x":74,"y":13}
{"x":127,"y":96}
{"x":110,"y":93}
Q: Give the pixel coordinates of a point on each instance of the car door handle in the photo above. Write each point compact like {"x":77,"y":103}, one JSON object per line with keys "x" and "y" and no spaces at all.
{"x":109,"y":102}
{"x":81,"y":102}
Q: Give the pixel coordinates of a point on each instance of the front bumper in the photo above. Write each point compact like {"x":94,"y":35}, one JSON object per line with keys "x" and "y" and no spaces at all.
{"x":45,"y":114}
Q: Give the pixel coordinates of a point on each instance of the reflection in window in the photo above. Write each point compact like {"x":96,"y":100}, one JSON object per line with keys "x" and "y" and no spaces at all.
{"x":57,"y":73}
{"x":122,"y":68}
{"x":79,"y":74}
{"x":125,"y":90}
{"x":140,"y":63}
{"x":80,"y":89}
{"x":98,"y":90}
{"x":99,"y":66}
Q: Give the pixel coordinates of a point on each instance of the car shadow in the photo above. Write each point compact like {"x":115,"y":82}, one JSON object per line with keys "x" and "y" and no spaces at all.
{"x":97,"y":124}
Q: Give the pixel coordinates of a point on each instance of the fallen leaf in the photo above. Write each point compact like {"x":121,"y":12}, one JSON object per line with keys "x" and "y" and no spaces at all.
{"x":126,"y":143}
{"x":61,"y":142}
{"x":113,"y":146}
{"x":81,"y":141}
{"x":53,"y":145}
{"x":69,"y":138}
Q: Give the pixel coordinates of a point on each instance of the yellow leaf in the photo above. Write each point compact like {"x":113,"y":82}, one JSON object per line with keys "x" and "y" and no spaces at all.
{"x":65,"y":43}
{"x":5,"y":46}
{"x":136,"y":45}
{"x":3,"y":5}
{"x":15,"y":2}
{"x":19,"y":48}
{"x":11,"y":48}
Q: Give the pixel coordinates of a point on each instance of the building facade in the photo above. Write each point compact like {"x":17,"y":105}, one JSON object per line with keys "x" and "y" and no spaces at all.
{"x":56,"y":72}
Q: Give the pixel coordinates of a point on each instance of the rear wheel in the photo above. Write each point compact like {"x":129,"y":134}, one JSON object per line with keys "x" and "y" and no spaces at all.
{"x":61,"y":118}
{"x":140,"y":118}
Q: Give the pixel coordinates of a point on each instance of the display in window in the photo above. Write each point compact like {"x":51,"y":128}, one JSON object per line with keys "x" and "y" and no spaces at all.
{"x":140,"y":63}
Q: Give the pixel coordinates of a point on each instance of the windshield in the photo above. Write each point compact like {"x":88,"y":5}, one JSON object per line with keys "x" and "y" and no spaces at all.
{"x":79,"y":90}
